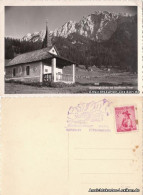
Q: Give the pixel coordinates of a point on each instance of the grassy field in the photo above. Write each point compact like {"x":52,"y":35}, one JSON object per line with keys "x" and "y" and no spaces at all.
{"x":84,"y":81}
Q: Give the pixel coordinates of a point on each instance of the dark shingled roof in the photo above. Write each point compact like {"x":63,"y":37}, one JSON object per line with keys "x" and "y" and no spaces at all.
{"x":32,"y":56}
{"x":36,"y":55}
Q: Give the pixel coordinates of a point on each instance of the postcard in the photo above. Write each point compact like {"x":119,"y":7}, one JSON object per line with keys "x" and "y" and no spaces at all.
{"x":71,"y":47}
{"x":71,"y":145}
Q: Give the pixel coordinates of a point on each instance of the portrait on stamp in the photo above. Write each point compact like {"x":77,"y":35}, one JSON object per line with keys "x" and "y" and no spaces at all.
{"x":125,"y":119}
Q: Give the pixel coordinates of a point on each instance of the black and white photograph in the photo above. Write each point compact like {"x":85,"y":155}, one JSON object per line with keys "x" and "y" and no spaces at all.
{"x":71,"y":49}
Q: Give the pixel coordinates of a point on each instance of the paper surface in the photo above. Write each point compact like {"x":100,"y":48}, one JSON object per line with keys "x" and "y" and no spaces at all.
{"x":71,"y":145}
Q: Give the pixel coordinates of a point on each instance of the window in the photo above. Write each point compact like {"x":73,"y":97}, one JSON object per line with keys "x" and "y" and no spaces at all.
{"x":27,"y":70}
{"x":20,"y":70}
{"x":14,"y":72}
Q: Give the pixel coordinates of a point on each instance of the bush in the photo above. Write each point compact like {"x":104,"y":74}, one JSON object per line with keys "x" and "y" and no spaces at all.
{"x":46,"y":84}
{"x":24,"y":83}
{"x":58,"y":84}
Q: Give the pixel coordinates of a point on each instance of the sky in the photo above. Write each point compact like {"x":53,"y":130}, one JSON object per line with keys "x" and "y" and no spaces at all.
{"x":20,"y":20}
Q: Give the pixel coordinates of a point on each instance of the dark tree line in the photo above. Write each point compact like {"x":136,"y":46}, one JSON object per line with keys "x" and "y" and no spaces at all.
{"x":14,"y":47}
{"x":120,"y":53}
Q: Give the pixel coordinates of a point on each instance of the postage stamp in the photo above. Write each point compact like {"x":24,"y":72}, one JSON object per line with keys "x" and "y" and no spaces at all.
{"x":125,"y":118}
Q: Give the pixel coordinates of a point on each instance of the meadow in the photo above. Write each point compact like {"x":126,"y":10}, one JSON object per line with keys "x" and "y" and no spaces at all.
{"x":85,"y":80}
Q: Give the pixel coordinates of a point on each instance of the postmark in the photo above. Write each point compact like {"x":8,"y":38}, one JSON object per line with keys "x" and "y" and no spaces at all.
{"x":90,"y":115}
{"x":125,"y":118}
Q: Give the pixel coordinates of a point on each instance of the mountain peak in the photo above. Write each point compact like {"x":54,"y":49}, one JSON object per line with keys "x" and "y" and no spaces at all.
{"x":65,"y":30}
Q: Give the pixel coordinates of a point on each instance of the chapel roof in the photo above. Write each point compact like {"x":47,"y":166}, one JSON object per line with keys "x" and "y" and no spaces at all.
{"x":33,"y":56}
{"x":36,"y":55}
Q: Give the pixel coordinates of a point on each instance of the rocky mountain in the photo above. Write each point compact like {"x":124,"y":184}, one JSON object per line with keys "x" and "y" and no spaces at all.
{"x":36,"y":36}
{"x":99,"y":26}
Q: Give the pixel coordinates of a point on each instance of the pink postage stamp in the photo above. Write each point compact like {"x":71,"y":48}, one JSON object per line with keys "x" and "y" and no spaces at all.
{"x":125,"y":118}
